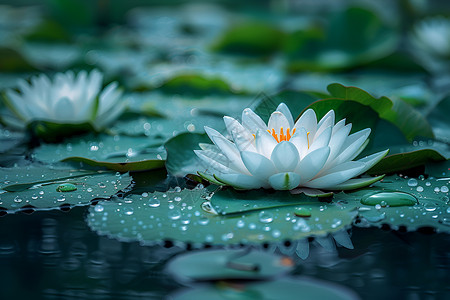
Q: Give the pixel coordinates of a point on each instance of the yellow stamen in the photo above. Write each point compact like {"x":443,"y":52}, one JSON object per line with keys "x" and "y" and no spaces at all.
{"x":282,"y":137}
{"x":307,"y":138}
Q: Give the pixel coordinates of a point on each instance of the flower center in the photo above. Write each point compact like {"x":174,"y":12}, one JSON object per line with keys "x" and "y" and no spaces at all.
{"x":282,"y":137}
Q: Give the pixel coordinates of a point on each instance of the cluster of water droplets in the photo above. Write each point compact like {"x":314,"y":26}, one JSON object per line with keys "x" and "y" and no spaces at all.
{"x":424,"y":202}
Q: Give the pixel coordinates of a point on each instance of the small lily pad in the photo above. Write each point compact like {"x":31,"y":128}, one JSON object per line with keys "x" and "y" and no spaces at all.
{"x":213,"y":265}
{"x":283,"y":289}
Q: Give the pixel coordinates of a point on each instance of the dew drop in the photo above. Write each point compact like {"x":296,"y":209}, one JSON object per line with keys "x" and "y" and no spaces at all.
{"x":177,"y":199}
{"x":419,"y":189}
{"x":99,"y":208}
{"x":128,"y":211}
{"x":389,"y":199}
{"x":154,"y":202}
{"x":445,"y":221}
{"x":101,"y":185}
{"x":89,"y":190}
{"x":174,"y":214}
{"x":17,"y":199}
{"x":265,"y":217}
{"x":203,"y":221}
{"x":336,"y":222}
{"x":437,"y":189}
{"x":412,"y":182}
{"x":240,"y":224}
{"x":444,"y":189}
{"x":276,"y":233}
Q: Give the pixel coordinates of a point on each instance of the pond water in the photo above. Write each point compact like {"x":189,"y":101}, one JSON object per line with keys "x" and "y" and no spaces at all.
{"x":54,"y":255}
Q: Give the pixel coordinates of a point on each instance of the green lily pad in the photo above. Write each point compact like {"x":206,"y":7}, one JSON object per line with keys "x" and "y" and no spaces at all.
{"x":13,"y":61}
{"x":43,"y":188}
{"x":228,"y":264}
{"x":396,"y":194}
{"x":181,"y":159}
{"x":351,"y":37}
{"x":188,"y":216}
{"x":179,"y":114}
{"x":406,"y":160}
{"x":256,"y":200}
{"x":218,"y":75}
{"x":251,"y":38}
{"x":119,"y":153}
{"x":283,"y":289}
{"x":51,"y":132}
{"x":411,"y":123}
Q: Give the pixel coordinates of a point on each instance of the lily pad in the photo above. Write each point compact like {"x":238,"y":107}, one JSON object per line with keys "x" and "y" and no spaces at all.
{"x":406,"y":160}
{"x":251,"y":38}
{"x":187,"y":216}
{"x":181,"y":159}
{"x":282,"y":289}
{"x":351,"y":37}
{"x":411,"y":123}
{"x":179,"y":114}
{"x":119,"y":153}
{"x":396,"y":194}
{"x":43,"y":188}
{"x":241,"y":264}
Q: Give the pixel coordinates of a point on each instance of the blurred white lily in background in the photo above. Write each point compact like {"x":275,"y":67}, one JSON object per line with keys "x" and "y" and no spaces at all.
{"x":284,"y":155}
{"x":432,"y":35}
{"x":67,"y":99}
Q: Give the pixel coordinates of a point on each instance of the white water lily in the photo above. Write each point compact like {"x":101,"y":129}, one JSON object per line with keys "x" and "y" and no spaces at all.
{"x":284,"y":155}
{"x":68,"y":99}
{"x":432,"y":35}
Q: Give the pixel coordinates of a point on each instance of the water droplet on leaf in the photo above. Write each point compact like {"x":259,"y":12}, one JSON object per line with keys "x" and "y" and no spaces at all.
{"x":389,"y":199}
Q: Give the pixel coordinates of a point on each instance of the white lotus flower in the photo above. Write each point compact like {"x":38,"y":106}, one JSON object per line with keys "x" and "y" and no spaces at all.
{"x":284,"y":155}
{"x":432,"y":35}
{"x":68,"y":99}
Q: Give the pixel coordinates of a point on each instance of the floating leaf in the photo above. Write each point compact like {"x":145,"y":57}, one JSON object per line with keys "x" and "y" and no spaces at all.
{"x":431,"y":208}
{"x":179,"y":114}
{"x":188,"y":217}
{"x":352,"y":37}
{"x":119,"y":153}
{"x":40,"y":187}
{"x":181,"y":159}
{"x":13,"y":61}
{"x":252,"y":38}
{"x":411,"y":123}
{"x":406,"y":160}
{"x":196,"y":84}
{"x":283,"y":289}
{"x":51,"y":132}
{"x":228,"y":264}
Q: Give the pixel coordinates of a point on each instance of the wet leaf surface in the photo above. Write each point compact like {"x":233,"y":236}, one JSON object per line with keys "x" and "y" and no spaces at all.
{"x":42,"y":188}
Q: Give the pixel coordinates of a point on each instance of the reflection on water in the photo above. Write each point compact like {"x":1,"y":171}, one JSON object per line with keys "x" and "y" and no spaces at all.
{"x":53,"y":255}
